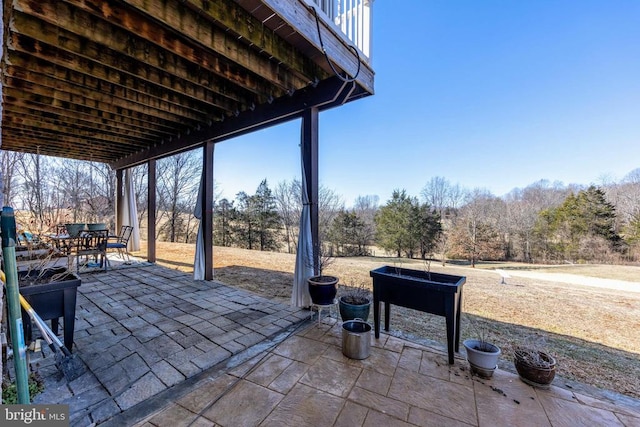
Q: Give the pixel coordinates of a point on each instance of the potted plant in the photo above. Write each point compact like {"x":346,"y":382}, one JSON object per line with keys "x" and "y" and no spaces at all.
{"x":322,"y":288}
{"x":535,"y":366}
{"x":354,"y":302}
{"x":52,"y":294}
{"x":436,"y":293}
{"x":481,"y":354}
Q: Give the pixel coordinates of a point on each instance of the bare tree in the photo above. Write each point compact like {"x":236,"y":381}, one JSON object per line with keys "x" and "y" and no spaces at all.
{"x":288,"y":201}
{"x":446,"y":199}
{"x":330,"y":204}
{"x":366,"y":207}
{"x":178,"y":180}
{"x":139,"y":175}
{"x":100,"y":193}
{"x":9,"y":162}
{"x":523,"y":207}
{"x":476,"y":234}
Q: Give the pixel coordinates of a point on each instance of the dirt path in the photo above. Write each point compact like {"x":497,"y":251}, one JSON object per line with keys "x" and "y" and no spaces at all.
{"x":574,"y":279}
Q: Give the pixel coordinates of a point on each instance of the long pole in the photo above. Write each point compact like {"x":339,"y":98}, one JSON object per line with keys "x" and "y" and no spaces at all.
{"x":8,"y":226}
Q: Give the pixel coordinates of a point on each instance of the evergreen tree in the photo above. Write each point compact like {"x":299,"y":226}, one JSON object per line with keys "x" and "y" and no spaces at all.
{"x":406,"y":226}
{"x":569,"y":230}
{"x":348,"y":232}
{"x":222,"y":223}
{"x":427,"y":227}
{"x":258,"y":222}
{"x":268,"y":219}
{"x":393,"y":222}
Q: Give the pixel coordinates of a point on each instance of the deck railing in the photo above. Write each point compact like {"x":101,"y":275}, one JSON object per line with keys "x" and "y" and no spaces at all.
{"x":353,"y":19}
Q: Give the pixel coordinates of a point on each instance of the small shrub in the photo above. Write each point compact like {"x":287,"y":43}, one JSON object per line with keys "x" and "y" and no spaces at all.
{"x":356,"y":295}
{"x":10,"y":389}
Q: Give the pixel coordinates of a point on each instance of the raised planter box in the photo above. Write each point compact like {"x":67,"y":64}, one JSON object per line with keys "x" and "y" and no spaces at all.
{"x":51,"y":299}
{"x":435,"y":293}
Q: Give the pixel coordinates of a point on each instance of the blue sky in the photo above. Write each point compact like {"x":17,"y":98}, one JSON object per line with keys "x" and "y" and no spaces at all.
{"x":488,"y":94}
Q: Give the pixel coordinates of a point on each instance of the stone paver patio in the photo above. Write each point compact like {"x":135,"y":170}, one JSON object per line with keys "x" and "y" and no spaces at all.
{"x":163,"y":350}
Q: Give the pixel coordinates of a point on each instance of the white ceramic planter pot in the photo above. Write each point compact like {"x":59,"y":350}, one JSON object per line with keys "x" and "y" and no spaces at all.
{"x":482,"y":357}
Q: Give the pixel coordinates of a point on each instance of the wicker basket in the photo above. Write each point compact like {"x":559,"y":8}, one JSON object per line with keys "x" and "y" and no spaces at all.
{"x":535,"y":368}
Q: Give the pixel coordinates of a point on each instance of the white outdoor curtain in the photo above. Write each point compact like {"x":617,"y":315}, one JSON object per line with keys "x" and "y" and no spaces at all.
{"x":304,"y":256}
{"x":129,"y":212}
{"x":199,"y":261}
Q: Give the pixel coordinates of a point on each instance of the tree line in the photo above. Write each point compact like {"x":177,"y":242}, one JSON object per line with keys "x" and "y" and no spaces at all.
{"x":544,"y":222}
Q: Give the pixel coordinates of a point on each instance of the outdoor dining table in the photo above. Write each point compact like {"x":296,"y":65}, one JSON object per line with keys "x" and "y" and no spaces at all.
{"x":80,"y":245}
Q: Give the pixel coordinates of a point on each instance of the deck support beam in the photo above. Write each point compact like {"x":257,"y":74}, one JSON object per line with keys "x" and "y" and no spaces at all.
{"x":151,"y":210}
{"x":207,"y":211}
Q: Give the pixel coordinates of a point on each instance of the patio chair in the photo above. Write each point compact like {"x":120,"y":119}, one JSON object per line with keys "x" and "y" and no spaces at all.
{"x":121,"y":241}
{"x":92,"y":243}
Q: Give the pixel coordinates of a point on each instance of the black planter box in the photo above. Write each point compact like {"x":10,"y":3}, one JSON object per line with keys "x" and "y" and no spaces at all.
{"x":51,"y":300}
{"x":435,"y":293}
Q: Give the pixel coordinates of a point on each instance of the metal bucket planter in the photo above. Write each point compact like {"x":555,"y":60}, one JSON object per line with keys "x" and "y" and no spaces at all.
{"x":356,"y":339}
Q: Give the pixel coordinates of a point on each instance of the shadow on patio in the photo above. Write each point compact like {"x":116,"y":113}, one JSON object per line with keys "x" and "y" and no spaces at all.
{"x":163,"y":350}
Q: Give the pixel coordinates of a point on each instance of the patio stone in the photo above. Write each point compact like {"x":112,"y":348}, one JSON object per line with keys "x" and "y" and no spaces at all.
{"x":435,"y":395}
{"x":250,"y":339}
{"x":232,"y":347}
{"x":431,"y":364}
{"x":410,"y":359}
{"x":301,"y":349}
{"x":512,"y":399}
{"x":421,"y":417}
{"x":114,"y":379}
{"x":374,"y":381}
{"x":168,"y":325}
{"x":104,"y":411}
{"x":351,"y":415}
{"x":187,"y":369}
{"x":167,"y":373}
{"x":289,"y":377}
{"x":211,"y":357}
{"x":379,"y":402}
{"x":134,"y":323}
{"x":305,"y":406}
{"x":173,"y":416}
{"x":376,"y":419}
{"x":84,"y":400}
{"x":206,"y":393}
{"x":119,"y":351}
{"x":246,"y":404}
{"x":84,"y":382}
{"x":616,"y":407}
{"x":144,"y":388}
{"x":331,"y":376}
{"x":563,"y":413}
{"x":269,"y":369}
{"x":132,"y":365}
{"x":147,"y":333}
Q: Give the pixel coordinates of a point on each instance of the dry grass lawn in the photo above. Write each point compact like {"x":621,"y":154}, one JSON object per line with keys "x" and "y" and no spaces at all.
{"x":593,"y":331}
